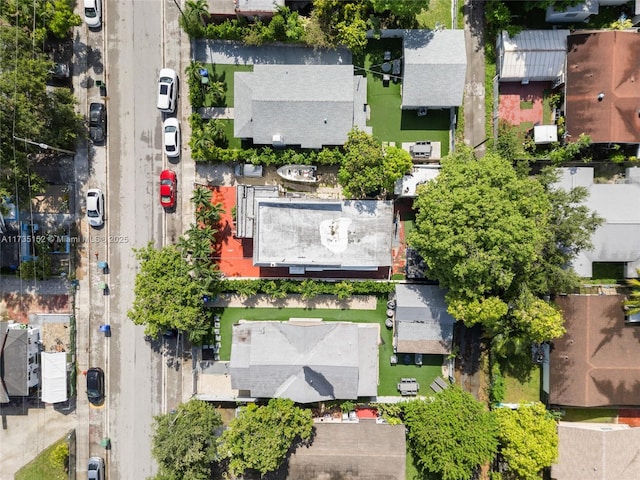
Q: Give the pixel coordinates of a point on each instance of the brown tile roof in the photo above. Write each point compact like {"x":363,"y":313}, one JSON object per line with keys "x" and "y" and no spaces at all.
{"x":595,"y":451}
{"x":597,"y":362}
{"x":604,"y":62}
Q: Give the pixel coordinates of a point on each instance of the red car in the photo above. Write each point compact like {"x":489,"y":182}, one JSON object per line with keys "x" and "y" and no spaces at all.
{"x":168,"y":189}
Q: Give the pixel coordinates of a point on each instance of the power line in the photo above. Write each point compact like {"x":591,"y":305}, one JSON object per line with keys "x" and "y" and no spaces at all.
{"x":44,"y":146}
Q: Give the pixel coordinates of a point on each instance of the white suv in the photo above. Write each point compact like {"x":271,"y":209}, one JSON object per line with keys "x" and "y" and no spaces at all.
{"x":93,"y":13}
{"x":167,"y":90}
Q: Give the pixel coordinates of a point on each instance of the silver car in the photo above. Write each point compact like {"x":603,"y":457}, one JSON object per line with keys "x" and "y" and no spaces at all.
{"x":95,"y":469}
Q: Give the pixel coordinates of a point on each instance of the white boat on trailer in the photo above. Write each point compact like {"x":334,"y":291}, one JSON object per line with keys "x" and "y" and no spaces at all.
{"x":299,"y":173}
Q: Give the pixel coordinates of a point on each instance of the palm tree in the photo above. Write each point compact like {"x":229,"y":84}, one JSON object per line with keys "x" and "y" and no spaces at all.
{"x":632,"y":303}
{"x":194,"y":16}
{"x":201,"y":197}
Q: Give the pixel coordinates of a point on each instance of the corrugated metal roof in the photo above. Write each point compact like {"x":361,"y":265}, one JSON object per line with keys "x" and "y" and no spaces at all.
{"x":537,"y":55}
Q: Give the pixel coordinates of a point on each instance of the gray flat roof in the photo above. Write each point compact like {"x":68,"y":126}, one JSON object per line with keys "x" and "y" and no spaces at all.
{"x":307,"y":105}
{"x":618,"y":239}
{"x":435,"y":67}
{"x":348,"y":235}
{"x":306,"y":362}
{"x":423,"y":324}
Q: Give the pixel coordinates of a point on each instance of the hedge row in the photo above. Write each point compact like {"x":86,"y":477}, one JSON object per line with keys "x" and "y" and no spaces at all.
{"x":307,"y":288}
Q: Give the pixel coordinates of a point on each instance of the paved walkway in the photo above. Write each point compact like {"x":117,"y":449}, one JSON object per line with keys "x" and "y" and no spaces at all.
{"x":474,"y":103}
{"x":34,"y":287}
{"x":357,"y":302}
{"x":216,"y":51}
{"x":223,"y":113}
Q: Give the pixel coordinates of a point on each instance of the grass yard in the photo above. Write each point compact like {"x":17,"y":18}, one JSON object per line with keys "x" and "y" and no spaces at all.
{"x":546,"y":108}
{"x":592,"y":415}
{"x":389,"y":375}
{"x":438,"y":13}
{"x":523,"y":392}
{"x":224,"y":73}
{"x":43,"y":467}
{"x":526,"y":105}
{"x":389,"y":122}
{"x":228,"y":131}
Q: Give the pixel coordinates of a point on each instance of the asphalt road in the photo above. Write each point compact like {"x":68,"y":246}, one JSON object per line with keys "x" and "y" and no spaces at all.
{"x":140,"y":37}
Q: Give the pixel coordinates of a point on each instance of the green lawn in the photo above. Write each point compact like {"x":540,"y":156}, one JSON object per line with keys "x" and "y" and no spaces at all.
{"x":523,"y":392}
{"x":42,"y":467}
{"x":546,"y":107}
{"x":228,"y":130}
{"x":592,"y":415}
{"x":439,"y":12}
{"x":389,"y":122}
{"x":388,"y":375}
{"x":224,"y":73}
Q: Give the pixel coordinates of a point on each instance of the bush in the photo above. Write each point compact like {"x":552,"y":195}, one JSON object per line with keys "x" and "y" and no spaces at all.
{"x":497,"y":389}
{"x":308,"y":288}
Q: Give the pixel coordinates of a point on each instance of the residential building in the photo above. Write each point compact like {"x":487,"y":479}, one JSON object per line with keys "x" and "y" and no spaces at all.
{"x":435,"y":66}
{"x":617,"y":203}
{"x":532,"y":56}
{"x":602,"y":94}
{"x":422,"y":323}
{"x":305,"y":360}
{"x":310,"y":106}
{"x":358,"y":451}
{"x":19,"y":359}
{"x":316,"y":235}
{"x":596,"y":362}
{"x":597,"y":451}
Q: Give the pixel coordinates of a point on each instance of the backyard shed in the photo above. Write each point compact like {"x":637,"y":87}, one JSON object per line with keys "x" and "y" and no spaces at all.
{"x":422,"y":323}
{"x":532,"y":56}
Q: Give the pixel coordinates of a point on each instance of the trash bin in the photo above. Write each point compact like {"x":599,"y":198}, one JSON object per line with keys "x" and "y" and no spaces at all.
{"x":106,"y":329}
{"x":105,"y":443}
{"x":104,"y":266}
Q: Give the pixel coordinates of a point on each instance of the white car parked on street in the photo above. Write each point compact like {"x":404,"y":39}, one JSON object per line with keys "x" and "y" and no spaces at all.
{"x":93,"y":13}
{"x":167,"y":90}
{"x":95,"y":207}
{"x":171,"y":137}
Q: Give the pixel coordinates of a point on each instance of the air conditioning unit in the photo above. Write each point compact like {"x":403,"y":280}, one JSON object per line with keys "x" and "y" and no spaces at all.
{"x":277,"y":140}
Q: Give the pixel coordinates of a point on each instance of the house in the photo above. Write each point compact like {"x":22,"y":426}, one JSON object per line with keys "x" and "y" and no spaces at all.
{"x":617,"y":203}
{"x":19,"y":359}
{"x":596,"y":363}
{"x":532,"y":56}
{"x":305,"y":360}
{"x":358,"y":451}
{"x":310,"y":106}
{"x":422,"y":323}
{"x":435,"y":66}
{"x":597,"y":451}
{"x":317,"y":235}
{"x":602,"y":95}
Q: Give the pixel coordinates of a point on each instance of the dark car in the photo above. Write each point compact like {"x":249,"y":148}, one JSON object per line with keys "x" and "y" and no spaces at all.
{"x":95,"y":386}
{"x":97,"y":122}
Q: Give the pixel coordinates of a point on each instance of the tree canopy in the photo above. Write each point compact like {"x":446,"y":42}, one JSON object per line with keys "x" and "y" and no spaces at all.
{"x":528,"y":439}
{"x":498,"y":241}
{"x":452,"y":435}
{"x":184,"y":442}
{"x":168,"y":295}
{"x":260,"y":437}
{"x":369,"y":169}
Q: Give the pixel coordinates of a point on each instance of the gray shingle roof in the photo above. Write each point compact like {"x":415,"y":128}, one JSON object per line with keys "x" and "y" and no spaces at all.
{"x":618,"y":239}
{"x":308,"y":105}
{"x":307,"y":362}
{"x":597,"y":451}
{"x":435,"y":66}
{"x":422,"y":322}
{"x":14,"y":356}
{"x":343,"y":235}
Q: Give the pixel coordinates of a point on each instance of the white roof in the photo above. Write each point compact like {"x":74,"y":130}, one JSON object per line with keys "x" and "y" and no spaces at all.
{"x":536,"y":55}
{"x":54,"y":377}
{"x":545,"y":134}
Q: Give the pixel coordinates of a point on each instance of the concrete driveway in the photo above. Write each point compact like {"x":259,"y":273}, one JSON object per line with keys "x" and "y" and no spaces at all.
{"x":214,"y":51}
